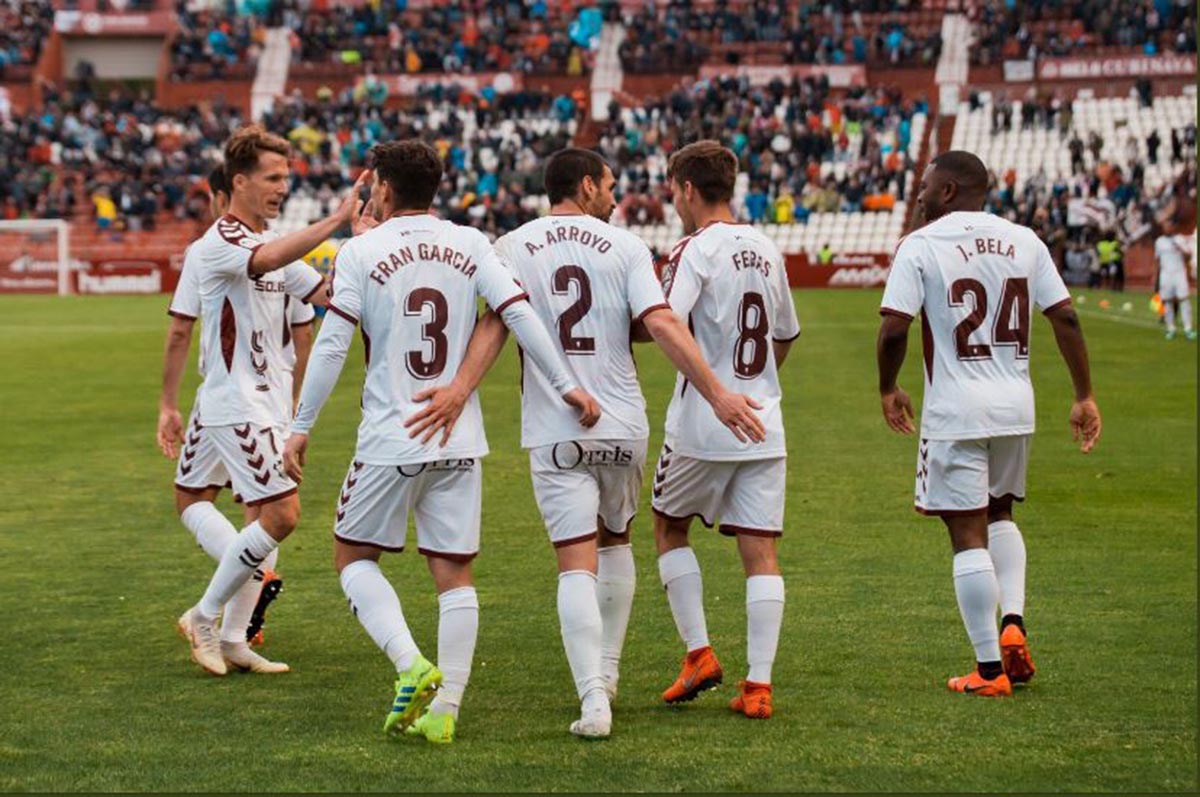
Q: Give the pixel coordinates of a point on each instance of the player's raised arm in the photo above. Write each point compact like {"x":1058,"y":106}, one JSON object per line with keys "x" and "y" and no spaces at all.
{"x":289,"y":248}
{"x":1085,"y":414}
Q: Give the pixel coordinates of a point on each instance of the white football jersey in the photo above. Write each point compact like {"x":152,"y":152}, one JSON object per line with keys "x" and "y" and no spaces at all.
{"x":185,"y":303}
{"x":245,"y":332}
{"x":728,"y":280}
{"x":412,"y":283}
{"x":1172,"y":252}
{"x":588,"y":281}
{"x":974,"y":279}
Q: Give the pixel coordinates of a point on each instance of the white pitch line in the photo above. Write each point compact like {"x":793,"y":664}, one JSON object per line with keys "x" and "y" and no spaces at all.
{"x":1133,"y":322}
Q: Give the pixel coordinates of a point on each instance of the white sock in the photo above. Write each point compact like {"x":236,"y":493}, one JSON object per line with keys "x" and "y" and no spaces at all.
{"x":458,"y":625}
{"x":1185,"y":310}
{"x":582,"y":628}
{"x":212,"y":530}
{"x":1169,"y":315}
{"x":243,"y":555}
{"x":377,"y":607}
{"x":764,"y":616}
{"x":616,"y":577}
{"x":680,"y":574}
{"x":977,"y":592}
{"x":238,"y":611}
{"x":1007,"y":549}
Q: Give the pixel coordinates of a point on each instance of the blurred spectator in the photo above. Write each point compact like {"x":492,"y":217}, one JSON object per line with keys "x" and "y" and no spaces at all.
{"x":24,"y":27}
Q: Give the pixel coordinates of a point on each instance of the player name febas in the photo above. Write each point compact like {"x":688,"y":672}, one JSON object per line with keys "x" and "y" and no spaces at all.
{"x":431,"y":253}
{"x":748,"y":258}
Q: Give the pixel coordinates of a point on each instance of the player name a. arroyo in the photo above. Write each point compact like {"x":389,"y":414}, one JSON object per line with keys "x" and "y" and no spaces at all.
{"x":572,"y":233}
{"x":427,"y":252}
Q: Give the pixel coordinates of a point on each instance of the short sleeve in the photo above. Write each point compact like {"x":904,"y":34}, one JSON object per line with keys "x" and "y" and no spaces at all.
{"x":1047,"y":289}
{"x":185,"y":303}
{"x":234,"y":250}
{"x":301,"y":280}
{"x":682,"y":280}
{"x":494,"y":281}
{"x":643,"y":291}
{"x":301,"y":313}
{"x":905,"y":291}
{"x":786,"y":325}
{"x":345,"y":287}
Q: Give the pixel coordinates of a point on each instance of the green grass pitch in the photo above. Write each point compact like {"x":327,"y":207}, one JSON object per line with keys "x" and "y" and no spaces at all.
{"x":98,"y":692}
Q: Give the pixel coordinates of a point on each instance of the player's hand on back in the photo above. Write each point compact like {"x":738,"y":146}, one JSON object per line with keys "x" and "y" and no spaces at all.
{"x":589,"y":409}
{"x":170,"y":432}
{"x":445,"y":405}
{"x":351,"y":207}
{"x":365,"y":220}
{"x":737,"y":412}
{"x":898,"y":411}
{"x":1085,"y":423}
{"x":293,"y":456}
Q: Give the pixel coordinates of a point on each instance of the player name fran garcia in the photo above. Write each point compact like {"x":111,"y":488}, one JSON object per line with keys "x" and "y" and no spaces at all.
{"x":431,"y":253}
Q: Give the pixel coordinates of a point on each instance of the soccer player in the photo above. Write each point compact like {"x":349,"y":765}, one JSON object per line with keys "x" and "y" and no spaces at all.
{"x":593,"y":283}
{"x":974,"y":278}
{"x":412,"y":283}
{"x":245,"y":613}
{"x":1171,"y":255}
{"x":729,"y":281}
{"x":246,"y":396}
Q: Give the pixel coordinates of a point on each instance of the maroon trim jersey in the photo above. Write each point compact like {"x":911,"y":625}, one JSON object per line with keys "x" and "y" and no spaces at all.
{"x":245,"y":329}
{"x":588,"y":282}
{"x":974,"y":279}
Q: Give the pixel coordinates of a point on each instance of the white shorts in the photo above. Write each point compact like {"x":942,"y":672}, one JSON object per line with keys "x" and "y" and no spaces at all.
{"x":1174,"y":288}
{"x":747,"y":496}
{"x":579,"y":484}
{"x":248,"y":458}
{"x":958,"y":477}
{"x":444,"y":496}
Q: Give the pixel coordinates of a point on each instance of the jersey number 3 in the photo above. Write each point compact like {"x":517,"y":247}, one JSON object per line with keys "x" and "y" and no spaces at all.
{"x":433,"y":332}
{"x":1009,"y":328}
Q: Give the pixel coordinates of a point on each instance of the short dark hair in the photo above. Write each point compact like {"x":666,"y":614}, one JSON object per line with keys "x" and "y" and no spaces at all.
{"x":707,"y":165}
{"x":246,"y":144}
{"x":966,"y":169}
{"x":412,"y":168}
{"x":218,"y":182}
{"x":566,"y":169}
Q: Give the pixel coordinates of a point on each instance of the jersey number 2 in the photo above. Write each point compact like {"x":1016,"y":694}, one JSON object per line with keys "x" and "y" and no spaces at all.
{"x":433,"y":332}
{"x":1009,"y":328}
{"x":561,"y":286}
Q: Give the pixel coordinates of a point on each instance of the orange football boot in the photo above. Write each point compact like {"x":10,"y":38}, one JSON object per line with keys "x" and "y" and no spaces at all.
{"x":1018,"y":665}
{"x":975,"y":684}
{"x":700,"y":671}
{"x":753,"y":700}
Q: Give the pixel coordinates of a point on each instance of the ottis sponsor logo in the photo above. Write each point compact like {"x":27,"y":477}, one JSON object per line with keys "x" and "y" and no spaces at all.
{"x":150,"y":282}
{"x":859,"y":277}
{"x":567,"y":456}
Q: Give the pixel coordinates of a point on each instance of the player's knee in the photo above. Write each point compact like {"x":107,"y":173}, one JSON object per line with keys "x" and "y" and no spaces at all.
{"x":758,"y":555}
{"x":184,"y":499}
{"x":280,"y":518}
{"x":670,"y":533}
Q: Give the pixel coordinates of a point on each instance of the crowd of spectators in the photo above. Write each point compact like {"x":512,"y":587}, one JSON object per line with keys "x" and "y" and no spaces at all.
{"x":1112,"y":202}
{"x":679,"y":35}
{"x":529,"y":36}
{"x":214,"y":44}
{"x":1006,"y":30}
{"x":24,"y":27}
{"x":786,"y":136}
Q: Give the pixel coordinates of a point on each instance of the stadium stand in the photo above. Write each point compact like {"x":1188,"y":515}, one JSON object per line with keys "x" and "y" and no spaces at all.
{"x":1029,"y":29}
{"x":24,"y":28}
{"x":214,"y":45}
